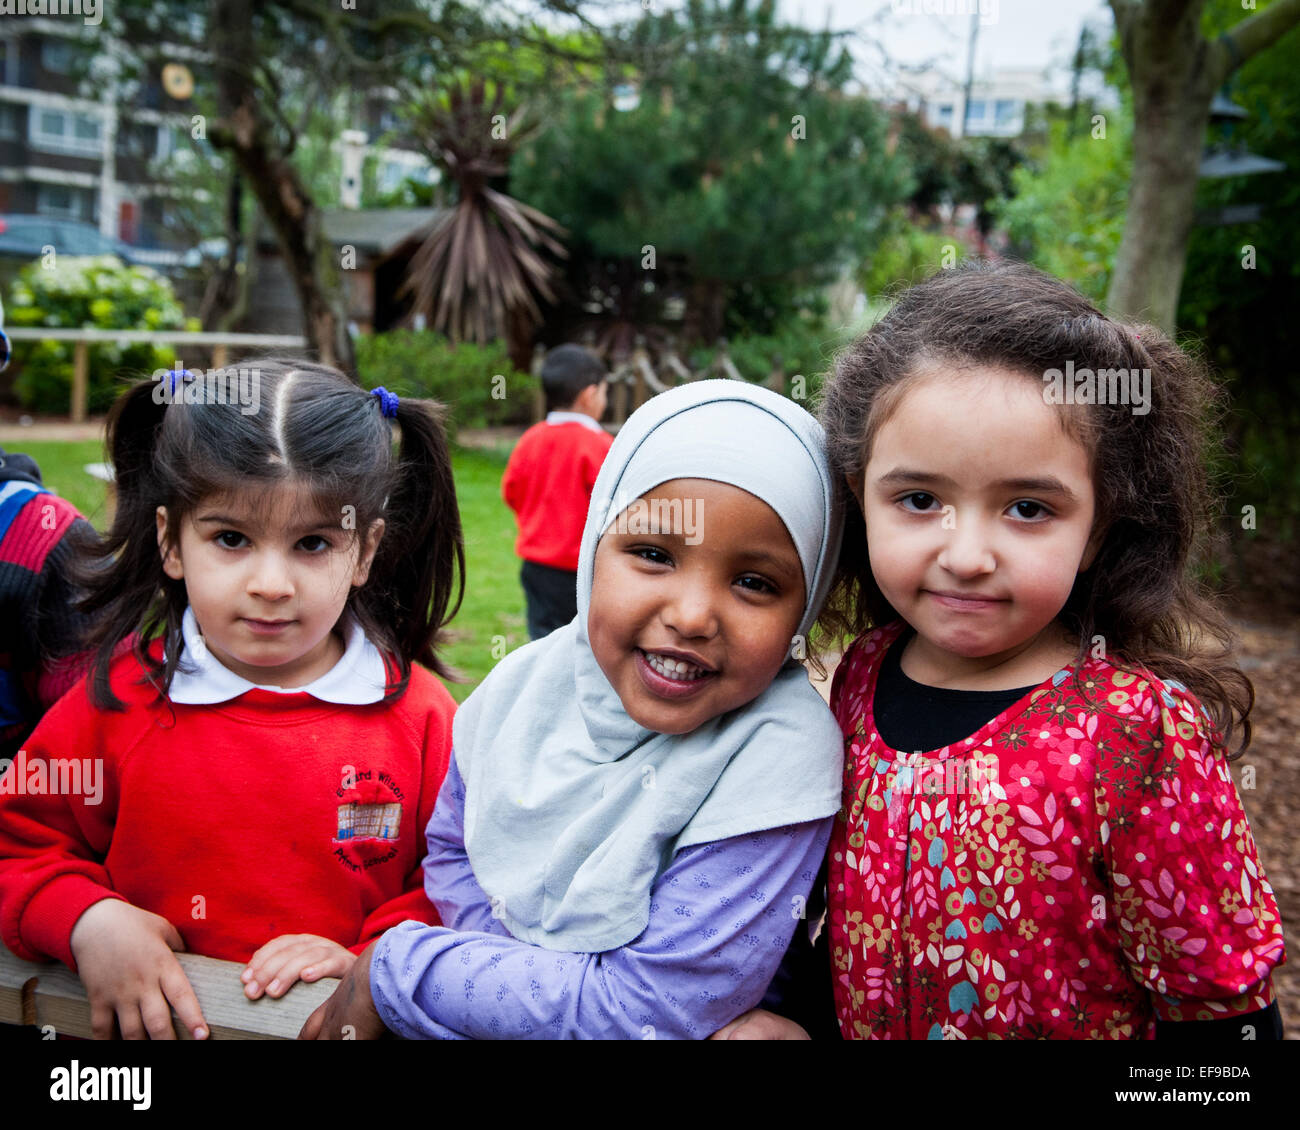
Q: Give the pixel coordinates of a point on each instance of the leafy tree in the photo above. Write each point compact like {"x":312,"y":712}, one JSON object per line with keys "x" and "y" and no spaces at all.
{"x":482,"y":269}
{"x":1243,"y":285}
{"x":1174,"y":71}
{"x":273,"y":62}
{"x":1067,"y":209}
{"x":744,"y":176}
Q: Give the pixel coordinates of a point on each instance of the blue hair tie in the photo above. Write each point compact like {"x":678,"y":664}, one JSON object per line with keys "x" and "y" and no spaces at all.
{"x":178,"y":375}
{"x":388,"y":401}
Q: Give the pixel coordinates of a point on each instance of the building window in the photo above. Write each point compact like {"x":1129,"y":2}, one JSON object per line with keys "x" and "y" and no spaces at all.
{"x":58,"y":57}
{"x":64,"y":131}
{"x":975,"y":110}
{"x":10,"y":120}
{"x":166,"y":143}
{"x":1004,"y":113}
{"x":391,"y":176}
{"x":63,"y":201}
{"x":9,"y":62}
{"x":943,"y":115}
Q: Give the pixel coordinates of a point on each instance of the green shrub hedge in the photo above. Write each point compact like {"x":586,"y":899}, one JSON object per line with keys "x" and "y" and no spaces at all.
{"x":479,"y":385}
{"x":93,"y":292}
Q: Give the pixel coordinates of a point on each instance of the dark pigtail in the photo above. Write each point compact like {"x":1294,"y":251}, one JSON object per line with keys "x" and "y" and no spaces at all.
{"x":420,"y":564}
{"x":121,"y":573}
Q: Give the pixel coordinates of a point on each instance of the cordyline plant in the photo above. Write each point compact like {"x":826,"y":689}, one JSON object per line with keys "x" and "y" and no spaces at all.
{"x":479,"y":272}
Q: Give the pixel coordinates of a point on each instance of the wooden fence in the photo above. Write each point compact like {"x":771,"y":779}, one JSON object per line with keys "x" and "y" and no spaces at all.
{"x":218,"y":345}
{"x":52,"y":998}
{"x":632,"y":380}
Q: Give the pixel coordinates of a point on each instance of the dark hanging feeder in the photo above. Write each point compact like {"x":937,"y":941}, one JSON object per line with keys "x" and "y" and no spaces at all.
{"x":1224,"y":159}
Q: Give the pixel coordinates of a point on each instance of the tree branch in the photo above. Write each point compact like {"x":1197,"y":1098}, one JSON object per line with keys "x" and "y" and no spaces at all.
{"x":1254,"y":34}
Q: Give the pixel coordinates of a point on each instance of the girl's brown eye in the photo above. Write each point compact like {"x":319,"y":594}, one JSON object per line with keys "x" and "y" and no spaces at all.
{"x":653,"y":554}
{"x":919,"y":501}
{"x":1030,"y":510}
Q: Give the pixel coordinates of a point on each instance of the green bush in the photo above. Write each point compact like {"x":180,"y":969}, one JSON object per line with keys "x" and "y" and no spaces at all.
{"x":99,"y":292}
{"x":908,"y":254}
{"x":463,"y":377}
{"x":1067,"y":212}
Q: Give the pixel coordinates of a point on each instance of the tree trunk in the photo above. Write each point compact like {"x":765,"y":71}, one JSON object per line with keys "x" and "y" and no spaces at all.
{"x":1165,"y":55}
{"x":1174,"y":73}
{"x":281,"y":194}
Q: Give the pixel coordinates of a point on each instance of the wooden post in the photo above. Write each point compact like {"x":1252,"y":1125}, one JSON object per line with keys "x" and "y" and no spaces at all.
{"x":539,"y":397}
{"x":80,"y":381}
{"x":219,"y":355}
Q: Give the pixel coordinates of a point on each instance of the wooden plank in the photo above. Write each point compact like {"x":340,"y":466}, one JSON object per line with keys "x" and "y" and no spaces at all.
{"x":55,"y":996}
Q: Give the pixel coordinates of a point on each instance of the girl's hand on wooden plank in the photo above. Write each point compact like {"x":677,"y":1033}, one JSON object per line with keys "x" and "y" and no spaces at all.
{"x":291,"y":957}
{"x":126,"y":961}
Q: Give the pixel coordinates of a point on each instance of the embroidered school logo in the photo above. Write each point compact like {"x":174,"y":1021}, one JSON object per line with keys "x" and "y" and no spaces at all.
{"x":369,"y":821}
{"x":369,"y":818}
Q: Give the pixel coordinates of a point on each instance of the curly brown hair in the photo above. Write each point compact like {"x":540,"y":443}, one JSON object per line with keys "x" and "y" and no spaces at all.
{"x":1154,"y":498}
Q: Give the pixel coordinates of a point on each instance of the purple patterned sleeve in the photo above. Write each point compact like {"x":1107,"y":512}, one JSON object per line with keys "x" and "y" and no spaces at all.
{"x":448,"y":878}
{"x":721,"y":916}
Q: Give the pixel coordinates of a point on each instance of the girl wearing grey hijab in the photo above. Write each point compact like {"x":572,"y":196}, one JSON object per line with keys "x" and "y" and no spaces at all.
{"x":638,"y":803}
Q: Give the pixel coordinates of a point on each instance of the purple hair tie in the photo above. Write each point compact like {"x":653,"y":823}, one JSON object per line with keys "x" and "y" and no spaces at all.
{"x":388,"y":401}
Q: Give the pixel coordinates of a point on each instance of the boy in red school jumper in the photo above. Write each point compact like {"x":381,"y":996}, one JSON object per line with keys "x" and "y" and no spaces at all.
{"x":548,"y":483}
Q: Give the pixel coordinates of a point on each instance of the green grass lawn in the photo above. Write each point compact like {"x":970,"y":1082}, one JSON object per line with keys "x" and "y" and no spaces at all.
{"x":491,"y":619}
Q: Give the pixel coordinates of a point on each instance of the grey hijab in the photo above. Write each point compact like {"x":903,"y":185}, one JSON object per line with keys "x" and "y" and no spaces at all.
{"x":572,"y":809}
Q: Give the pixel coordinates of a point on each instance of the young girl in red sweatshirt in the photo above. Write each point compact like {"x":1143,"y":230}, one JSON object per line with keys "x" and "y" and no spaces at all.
{"x":249,"y":778}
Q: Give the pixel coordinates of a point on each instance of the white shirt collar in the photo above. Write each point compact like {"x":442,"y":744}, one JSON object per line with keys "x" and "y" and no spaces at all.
{"x":574,"y":418}
{"x":359,"y":677}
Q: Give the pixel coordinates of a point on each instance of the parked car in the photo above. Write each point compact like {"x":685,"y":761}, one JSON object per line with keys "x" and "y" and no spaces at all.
{"x":26,"y":237}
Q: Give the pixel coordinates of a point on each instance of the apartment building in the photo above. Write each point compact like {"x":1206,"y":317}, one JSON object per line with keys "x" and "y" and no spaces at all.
{"x":995,"y":108}
{"x":73,"y":145}
{"x":78,"y":142}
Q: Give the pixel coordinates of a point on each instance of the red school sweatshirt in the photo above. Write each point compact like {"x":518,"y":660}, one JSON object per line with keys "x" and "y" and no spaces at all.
{"x":239,"y":821}
{"x":547,"y":483}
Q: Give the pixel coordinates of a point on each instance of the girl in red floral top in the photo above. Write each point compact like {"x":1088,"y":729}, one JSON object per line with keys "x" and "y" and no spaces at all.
{"x":1040,"y":836}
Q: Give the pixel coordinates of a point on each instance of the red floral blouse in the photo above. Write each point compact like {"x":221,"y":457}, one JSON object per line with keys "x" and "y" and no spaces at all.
{"x":1075,"y":868}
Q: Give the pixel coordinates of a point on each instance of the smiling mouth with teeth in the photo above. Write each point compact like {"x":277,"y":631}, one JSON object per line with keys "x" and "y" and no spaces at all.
{"x":676,"y":669}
